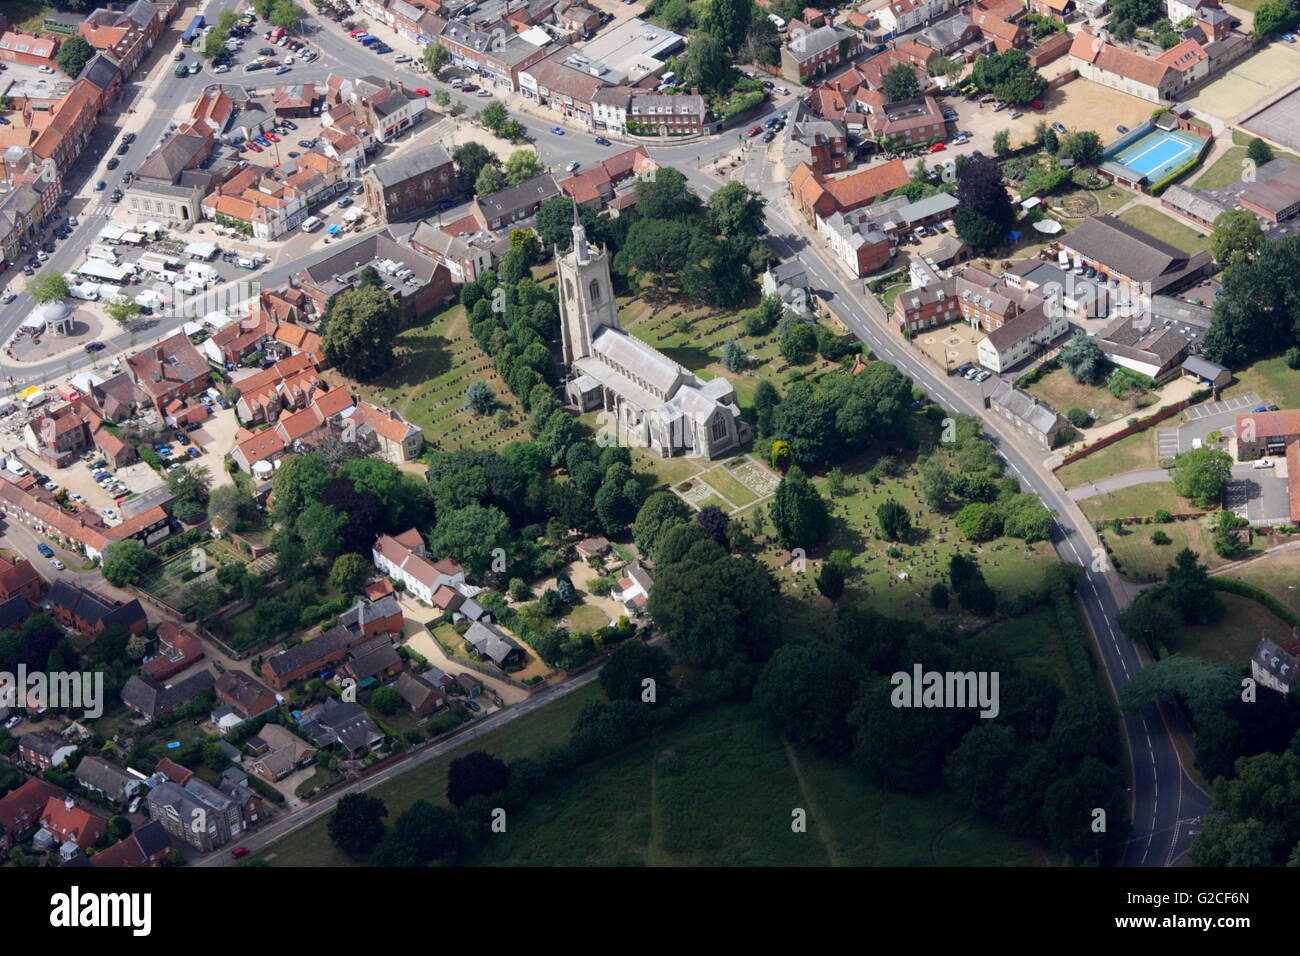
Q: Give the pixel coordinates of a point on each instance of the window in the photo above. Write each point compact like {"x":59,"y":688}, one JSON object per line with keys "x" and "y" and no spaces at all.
{"x":594,"y":291}
{"x":719,"y":429}
{"x":568,"y":289}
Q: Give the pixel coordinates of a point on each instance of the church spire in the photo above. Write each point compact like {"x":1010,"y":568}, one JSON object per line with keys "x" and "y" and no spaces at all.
{"x":580,"y":251}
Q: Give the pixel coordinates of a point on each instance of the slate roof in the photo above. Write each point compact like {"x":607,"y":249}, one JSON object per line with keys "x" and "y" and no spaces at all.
{"x":96,"y":773}
{"x":343,"y":723}
{"x":152,"y":699}
{"x":1128,"y":250}
{"x":491,"y":642}
{"x":507,"y":202}
{"x":1036,"y":417}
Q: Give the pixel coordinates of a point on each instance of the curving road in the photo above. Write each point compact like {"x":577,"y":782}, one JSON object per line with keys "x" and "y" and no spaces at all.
{"x":1166,"y":804}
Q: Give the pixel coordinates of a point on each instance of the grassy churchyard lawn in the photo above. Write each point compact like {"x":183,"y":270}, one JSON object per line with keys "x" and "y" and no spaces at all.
{"x":437,"y":359}
{"x":694,"y":337}
{"x":1277,"y":573}
{"x":1128,"y":454}
{"x":1166,"y":228}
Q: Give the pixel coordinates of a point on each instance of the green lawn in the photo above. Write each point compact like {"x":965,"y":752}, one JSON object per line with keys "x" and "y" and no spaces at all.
{"x":1228,"y":167}
{"x":1010,"y":566}
{"x":527,"y":736}
{"x":1136,"y":556}
{"x":586,"y":617}
{"x":719,"y":789}
{"x":728,"y":487}
{"x":1059,"y":390}
{"x":1128,"y":454}
{"x":1136,"y":501}
{"x":1234,"y":636}
{"x":1166,"y":229}
{"x":1271,"y":380}
{"x":437,"y":361}
{"x":1278,"y":574}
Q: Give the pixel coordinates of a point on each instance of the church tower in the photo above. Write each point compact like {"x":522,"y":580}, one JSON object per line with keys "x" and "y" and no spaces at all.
{"x":586,"y":294}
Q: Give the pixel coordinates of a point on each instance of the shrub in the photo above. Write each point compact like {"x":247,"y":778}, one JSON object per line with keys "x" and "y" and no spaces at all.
{"x":1159,"y":537}
{"x":1162,"y":516}
{"x":1078,"y":418}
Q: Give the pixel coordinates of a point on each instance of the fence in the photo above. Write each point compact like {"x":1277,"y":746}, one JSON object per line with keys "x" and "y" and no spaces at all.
{"x":1165,"y":411}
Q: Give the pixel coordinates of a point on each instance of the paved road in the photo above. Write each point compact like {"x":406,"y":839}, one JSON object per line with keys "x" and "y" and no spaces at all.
{"x":1128,"y":479}
{"x":1166,"y":803}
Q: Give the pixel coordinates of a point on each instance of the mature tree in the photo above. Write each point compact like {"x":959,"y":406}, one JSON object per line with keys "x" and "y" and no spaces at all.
{"x":479,"y":397}
{"x":436,"y":58}
{"x":287,"y":14}
{"x":830,"y":581}
{"x":728,"y":20}
{"x":979,"y":521}
{"x":1082,"y":146}
{"x":665,"y":196}
{"x":477,"y":774}
{"x":1236,"y":237}
{"x":1024,"y":516}
{"x":1259,"y":311}
{"x":736,"y":210}
{"x":936,"y":484}
{"x":358,"y":338}
{"x":555,"y":222}
{"x":349,"y":572}
{"x":630,"y":667}
{"x":903,"y":748}
{"x":799,"y":512}
{"x":523,"y":164}
{"x":1201,"y":474}
{"x":676,"y":15}
{"x":232,"y":506}
{"x":298,"y":481}
{"x":73,"y":54}
{"x":806,"y":692}
{"x":734,"y":358}
{"x":1002,"y":143}
{"x":978,"y":770}
{"x":762,"y":45}
{"x":470,"y":535}
{"x":718,"y":611}
{"x":1071,"y":803}
{"x":1187,"y":589}
{"x":899,"y":82}
{"x":49,"y":286}
{"x":470,"y":160}
{"x":490,"y":180}
{"x":659,"y":248}
{"x":1084,"y":359}
{"x":661,"y":511}
{"x":986,"y":214}
{"x":356,"y":825}
{"x":190,"y":481}
{"x":1009,"y":76}
{"x":1258,"y":151}
{"x":126,"y":561}
{"x":895,"y":522}
{"x":1273,"y":16}
{"x":714,"y":520}
{"x":422,"y":835}
{"x":1202,"y":685}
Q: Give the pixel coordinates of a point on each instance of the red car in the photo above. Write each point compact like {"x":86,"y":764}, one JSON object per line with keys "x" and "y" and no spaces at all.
{"x":272,"y":137}
{"x":1037,"y":104}
{"x":421,"y":91}
{"x":355,"y":33}
{"x":754,"y":131}
{"x":469,"y":88}
{"x":239,"y":852}
{"x":936,"y":147}
{"x":254,"y":147}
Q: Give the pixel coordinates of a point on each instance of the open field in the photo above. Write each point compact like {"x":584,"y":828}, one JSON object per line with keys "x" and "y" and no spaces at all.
{"x":1233,"y":637}
{"x":1270,"y":379}
{"x":1136,"y":556}
{"x":1166,"y":228}
{"x":1062,"y":392}
{"x":1255,"y":78}
{"x":1128,"y":454}
{"x":1136,"y":501}
{"x":717,"y":790}
{"x":436,"y":362}
{"x":527,"y":736}
{"x":1278,"y":574}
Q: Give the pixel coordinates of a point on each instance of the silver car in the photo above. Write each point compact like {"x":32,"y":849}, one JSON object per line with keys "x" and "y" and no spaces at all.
{"x":984,"y":376}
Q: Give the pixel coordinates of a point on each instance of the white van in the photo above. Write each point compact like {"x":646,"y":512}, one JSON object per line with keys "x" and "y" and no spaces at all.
{"x":312,"y":223}
{"x":34,"y":399}
{"x":164,"y":267}
{"x":200,"y":271}
{"x":85,"y":291}
{"x":14,"y":466}
{"x":187,"y":286}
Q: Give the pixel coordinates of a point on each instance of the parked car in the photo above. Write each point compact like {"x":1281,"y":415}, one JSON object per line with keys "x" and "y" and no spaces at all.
{"x":290,"y":124}
{"x":116,"y":196}
{"x":937,"y":147}
{"x":1015,"y":114}
{"x":1122,"y":129}
{"x":239,"y":852}
{"x":13,"y":722}
{"x":1059,"y":128}
{"x":754,"y":131}
{"x":1263,"y":463}
{"x":112,"y":163}
{"x":984,"y":376}
{"x":100,"y":186}
{"x":572,"y":167}
{"x":421,"y":91}
{"x":192,"y":452}
{"x":45,"y":550}
{"x":57,"y":564}
{"x":281,"y":70}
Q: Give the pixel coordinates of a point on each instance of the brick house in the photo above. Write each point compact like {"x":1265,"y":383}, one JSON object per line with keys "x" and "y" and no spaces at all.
{"x":411,"y":185}
{"x":171,"y":370}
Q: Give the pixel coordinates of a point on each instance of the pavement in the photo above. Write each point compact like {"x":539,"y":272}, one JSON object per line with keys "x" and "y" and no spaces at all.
{"x":1128,"y":479}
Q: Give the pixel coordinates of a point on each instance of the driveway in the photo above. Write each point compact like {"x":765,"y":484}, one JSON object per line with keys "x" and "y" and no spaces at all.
{"x":1201,"y":420}
{"x":1259,"y":495}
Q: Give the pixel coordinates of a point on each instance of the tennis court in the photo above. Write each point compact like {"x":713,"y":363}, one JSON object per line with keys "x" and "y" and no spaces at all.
{"x":1158,"y":153}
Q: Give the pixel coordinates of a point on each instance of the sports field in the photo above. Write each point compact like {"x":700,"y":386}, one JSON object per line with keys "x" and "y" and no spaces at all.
{"x":1241,"y":89}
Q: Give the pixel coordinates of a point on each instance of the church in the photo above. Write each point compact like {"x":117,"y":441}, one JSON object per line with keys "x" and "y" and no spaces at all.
{"x":657,"y":403}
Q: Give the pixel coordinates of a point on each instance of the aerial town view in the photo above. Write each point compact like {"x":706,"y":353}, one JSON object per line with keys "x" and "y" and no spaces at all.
{"x":638,"y":433}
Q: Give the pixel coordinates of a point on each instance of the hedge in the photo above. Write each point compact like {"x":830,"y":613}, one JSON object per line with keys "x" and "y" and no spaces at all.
{"x":1247,"y":590}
